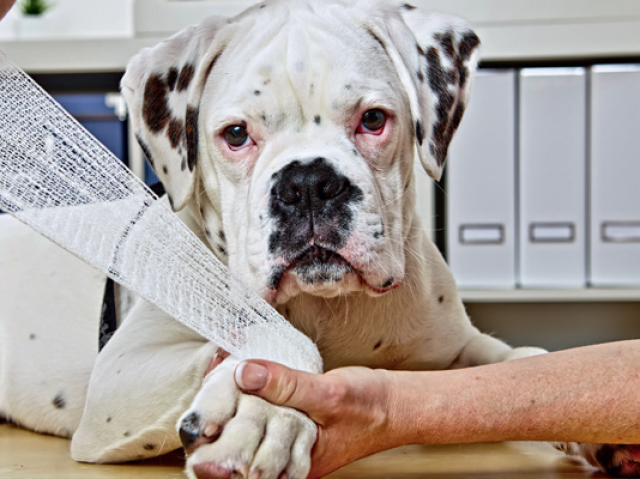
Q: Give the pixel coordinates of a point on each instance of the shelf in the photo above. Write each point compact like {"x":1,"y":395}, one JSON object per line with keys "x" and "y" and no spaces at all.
{"x":550,"y":295}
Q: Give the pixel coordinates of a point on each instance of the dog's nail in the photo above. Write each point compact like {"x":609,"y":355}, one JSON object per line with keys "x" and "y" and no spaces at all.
{"x":251,"y":376}
{"x":211,"y":430}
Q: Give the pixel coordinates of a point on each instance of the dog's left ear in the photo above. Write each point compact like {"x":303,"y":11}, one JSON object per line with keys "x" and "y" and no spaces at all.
{"x":436,"y":56}
{"x":162,"y":86}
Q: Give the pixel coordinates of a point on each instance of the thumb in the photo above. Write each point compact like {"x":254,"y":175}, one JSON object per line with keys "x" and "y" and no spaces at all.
{"x":282,"y":386}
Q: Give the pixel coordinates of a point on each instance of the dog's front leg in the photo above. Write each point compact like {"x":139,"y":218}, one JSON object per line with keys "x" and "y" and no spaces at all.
{"x":143,"y":380}
{"x":484,"y":349}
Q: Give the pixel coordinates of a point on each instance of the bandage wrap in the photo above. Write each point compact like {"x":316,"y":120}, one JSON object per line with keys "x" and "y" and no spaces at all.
{"x":57,"y":178}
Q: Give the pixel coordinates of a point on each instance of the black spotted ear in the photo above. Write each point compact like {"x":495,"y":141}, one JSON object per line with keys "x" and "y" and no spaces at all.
{"x":436,"y":56}
{"x":162,"y":86}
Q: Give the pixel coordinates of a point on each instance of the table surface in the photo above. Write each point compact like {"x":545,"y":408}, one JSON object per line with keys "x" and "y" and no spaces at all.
{"x":24,"y":454}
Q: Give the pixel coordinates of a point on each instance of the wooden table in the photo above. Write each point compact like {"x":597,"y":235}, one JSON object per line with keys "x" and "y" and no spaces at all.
{"x":24,"y":454}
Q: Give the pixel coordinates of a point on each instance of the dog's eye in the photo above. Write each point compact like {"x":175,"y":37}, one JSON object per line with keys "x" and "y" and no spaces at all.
{"x":236,"y":135}
{"x":373,"y":120}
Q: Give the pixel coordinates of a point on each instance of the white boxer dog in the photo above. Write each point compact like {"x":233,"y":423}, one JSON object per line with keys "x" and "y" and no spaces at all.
{"x":285,"y":138}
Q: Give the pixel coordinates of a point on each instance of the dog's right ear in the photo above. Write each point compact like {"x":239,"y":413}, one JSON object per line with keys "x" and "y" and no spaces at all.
{"x":162,"y":86}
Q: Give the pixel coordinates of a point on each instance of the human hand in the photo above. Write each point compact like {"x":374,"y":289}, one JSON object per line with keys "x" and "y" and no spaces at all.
{"x":349,"y":405}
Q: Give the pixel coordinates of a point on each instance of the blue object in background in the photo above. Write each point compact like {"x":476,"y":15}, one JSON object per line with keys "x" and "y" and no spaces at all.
{"x":102,"y":121}
{"x":150,"y":177}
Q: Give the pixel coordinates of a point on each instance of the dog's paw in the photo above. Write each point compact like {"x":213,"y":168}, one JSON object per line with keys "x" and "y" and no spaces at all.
{"x":228,"y":434}
{"x":618,"y":460}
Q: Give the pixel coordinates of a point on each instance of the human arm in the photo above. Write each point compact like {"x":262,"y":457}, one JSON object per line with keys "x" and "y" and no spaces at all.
{"x":585,"y":394}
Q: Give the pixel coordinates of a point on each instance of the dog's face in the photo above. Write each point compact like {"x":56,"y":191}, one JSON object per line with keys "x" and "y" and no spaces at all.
{"x":291,"y":131}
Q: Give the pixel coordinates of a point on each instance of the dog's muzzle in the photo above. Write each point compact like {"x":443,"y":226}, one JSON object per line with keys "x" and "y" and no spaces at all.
{"x":313,"y":208}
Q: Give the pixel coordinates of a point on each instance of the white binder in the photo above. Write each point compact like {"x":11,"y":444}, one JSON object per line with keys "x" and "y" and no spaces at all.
{"x":552,"y":177}
{"x":480,"y":186}
{"x":615,"y":175}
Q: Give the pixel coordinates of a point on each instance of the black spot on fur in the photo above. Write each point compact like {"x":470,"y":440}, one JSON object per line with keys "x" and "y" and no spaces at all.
{"x":190,"y":429}
{"x":175,"y":132}
{"x":165,"y":170}
{"x":109,"y":419}
{"x":355,"y":152}
{"x":317,"y":120}
{"x":406,"y":6}
{"x":377,"y":39}
{"x":146,"y":150}
{"x":446,"y":42}
{"x":59,"y":402}
{"x":420,"y":76}
{"x":419,"y":132}
{"x":191,"y":132}
{"x":440,"y":299}
{"x":207,"y":232}
{"x":127,"y":433}
{"x":448,"y":111}
{"x":468,"y":44}
{"x":186,"y":75}
{"x":222,"y":250}
{"x":278,"y":272}
{"x":348,"y":87}
{"x":172,"y":78}
{"x":155,"y":109}
{"x":377,"y":345}
{"x":149,"y":446}
{"x":222,"y":236}
{"x":211,"y":65}
{"x":32,"y":336}
{"x":257,"y":92}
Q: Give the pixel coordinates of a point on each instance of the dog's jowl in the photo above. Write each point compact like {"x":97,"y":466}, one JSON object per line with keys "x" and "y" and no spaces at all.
{"x":285,"y":139}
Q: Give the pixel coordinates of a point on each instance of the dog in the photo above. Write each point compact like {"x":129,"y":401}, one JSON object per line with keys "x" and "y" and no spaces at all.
{"x":285,"y":139}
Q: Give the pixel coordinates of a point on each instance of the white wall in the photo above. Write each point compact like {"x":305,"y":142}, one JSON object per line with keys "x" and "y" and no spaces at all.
{"x":77,"y":18}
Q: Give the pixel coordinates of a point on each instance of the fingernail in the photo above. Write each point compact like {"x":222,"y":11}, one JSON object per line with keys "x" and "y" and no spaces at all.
{"x":251,"y":376}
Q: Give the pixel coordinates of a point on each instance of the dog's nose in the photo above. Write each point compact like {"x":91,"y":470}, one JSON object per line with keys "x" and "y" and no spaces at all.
{"x":310,"y":184}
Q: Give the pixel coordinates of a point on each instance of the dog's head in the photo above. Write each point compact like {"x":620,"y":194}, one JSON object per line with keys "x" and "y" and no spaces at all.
{"x":291,"y":131}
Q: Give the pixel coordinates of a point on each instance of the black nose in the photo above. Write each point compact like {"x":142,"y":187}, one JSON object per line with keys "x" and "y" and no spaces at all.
{"x":310,"y":185}
{"x":311,"y":200}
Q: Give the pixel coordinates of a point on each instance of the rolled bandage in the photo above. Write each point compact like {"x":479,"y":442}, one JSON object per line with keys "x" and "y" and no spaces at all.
{"x":58,"y":179}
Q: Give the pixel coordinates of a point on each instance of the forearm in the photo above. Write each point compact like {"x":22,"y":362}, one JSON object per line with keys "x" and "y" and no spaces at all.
{"x":586,"y":394}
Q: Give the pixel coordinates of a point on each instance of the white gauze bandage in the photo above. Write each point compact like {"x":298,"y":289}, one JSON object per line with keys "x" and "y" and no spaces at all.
{"x":58,"y":179}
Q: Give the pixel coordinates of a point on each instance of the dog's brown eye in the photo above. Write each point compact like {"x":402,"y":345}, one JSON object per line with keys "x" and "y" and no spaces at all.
{"x":373,"y":120}
{"x":236,"y":135}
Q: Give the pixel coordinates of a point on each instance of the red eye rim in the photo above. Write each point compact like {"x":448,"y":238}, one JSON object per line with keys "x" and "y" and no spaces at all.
{"x":375,"y":125}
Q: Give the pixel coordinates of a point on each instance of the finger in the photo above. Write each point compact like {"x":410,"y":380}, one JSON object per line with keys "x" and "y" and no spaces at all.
{"x":284,"y":387}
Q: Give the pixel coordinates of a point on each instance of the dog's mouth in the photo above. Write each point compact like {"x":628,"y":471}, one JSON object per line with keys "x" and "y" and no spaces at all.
{"x":323,"y":272}
{"x":317,"y":265}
